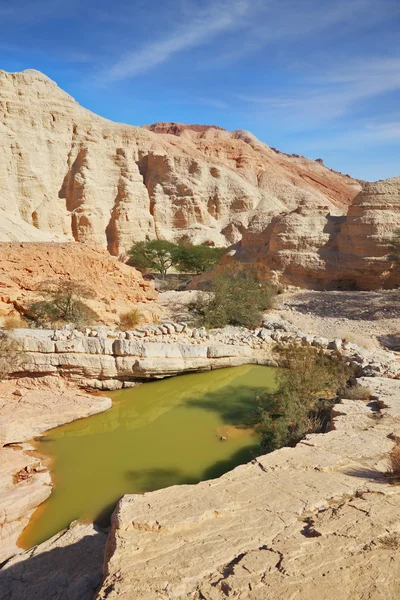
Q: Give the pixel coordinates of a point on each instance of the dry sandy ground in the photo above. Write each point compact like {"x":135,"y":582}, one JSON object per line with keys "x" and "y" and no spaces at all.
{"x":365,"y":318}
{"x":369,"y":319}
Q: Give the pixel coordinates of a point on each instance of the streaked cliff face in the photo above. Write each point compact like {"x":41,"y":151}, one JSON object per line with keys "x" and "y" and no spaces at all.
{"x":66,"y":173}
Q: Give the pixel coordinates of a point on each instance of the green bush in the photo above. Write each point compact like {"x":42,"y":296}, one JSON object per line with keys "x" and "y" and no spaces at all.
{"x":156,"y":255}
{"x":64,"y":304}
{"x":197,"y":259}
{"x":239,"y":297}
{"x":309,"y":382}
{"x":160,"y":256}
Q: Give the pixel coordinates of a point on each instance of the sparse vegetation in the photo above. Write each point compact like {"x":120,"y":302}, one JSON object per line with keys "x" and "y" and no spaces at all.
{"x":14,"y":322}
{"x":131,"y":319}
{"x":358,"y":392}
{"x":64,"y":304}
{"x":309,"y":382}
{"x":391,"y":541}
{"x":11,"y":354}
{"x":239,"y":297}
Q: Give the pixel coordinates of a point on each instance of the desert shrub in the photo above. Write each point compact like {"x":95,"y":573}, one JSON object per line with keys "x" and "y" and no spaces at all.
{"x":309,"y":382}
{"x":11,"y":354}
{"x":239,"y":297}
{"x":14,"y":322}
{"x":131,"y":319}
{"x":357,"y":392}
{"x":394,"y":461}
{"x":64,"y":304}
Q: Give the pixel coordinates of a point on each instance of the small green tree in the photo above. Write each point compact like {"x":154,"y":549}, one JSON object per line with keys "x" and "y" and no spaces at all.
{"x":64,"y":304}
{"x":308,"y":382}
{"x":239,"y":297}
{"x":394,"y":247}
{"x":156,"y":255}
{"x":198,"y":259}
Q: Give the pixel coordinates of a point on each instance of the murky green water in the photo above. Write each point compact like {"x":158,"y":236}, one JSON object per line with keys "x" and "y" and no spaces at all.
{"x":158,"y":434}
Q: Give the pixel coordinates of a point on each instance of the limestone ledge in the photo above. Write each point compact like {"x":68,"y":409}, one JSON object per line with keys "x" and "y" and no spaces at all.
{"x":117,"y":359}
{"x":103,"y":363}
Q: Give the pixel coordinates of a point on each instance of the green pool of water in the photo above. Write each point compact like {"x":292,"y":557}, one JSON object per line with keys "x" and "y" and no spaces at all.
{"x":158,"y":434}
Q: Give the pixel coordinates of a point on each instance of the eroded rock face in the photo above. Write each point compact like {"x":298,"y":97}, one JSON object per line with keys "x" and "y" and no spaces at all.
{"x":70,"y":174}
{"x":117,"y":288}
{"x":310,"y":246}
{"x":319,"y":521}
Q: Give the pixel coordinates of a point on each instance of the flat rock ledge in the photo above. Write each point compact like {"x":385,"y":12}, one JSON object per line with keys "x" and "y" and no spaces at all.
{"x":319,"y":522}
{"x":24,"y":481}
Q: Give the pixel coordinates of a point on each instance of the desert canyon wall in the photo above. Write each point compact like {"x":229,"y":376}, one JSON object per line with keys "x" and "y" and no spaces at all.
{"x":67,"y":174}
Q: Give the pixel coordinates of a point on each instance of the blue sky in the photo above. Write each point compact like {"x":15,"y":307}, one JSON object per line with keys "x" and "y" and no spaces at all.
{"x":313,"y":77}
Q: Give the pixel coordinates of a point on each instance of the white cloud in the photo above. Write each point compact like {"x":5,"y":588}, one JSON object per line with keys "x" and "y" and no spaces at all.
{"x":334,"y":94}
{"x":358,"y":138}
{"x":202,"y":27}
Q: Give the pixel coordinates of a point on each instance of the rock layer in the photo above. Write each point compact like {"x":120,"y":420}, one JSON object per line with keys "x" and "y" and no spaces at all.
{"x":67,"y":172}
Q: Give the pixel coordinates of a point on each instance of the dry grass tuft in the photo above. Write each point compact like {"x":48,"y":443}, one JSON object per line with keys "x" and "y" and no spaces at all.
{"x":131,"y":319}
{"x":14,"y":322}
{"x":391,"y":541}
{"x":394,"y":461}
{"x":358,"y":392}
{"x":362,"y":341}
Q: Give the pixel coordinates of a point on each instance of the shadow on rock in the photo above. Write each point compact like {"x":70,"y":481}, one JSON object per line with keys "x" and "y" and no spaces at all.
{"x":65,"y":567}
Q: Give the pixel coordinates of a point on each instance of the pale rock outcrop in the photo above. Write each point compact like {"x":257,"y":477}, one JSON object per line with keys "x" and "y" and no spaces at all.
{"x":362,"y":242}
{"x":24,"y":483}
{"x":117,"y":288}
{"x":65,"y":567}
{"x":311,"y":246}
{"x":318,"y":521}
{"x":103,"y":363}
{"x":70,"y":173}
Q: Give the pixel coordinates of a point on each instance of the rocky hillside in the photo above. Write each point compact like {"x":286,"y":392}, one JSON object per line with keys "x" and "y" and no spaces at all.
{"x":116,"y":287}
{"x":66,"y":173}
{"x":313,"y":247}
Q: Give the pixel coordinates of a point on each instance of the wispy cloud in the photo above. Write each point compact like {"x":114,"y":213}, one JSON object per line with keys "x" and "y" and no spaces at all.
{"x":203,"y":25}
{"x":359,"y":137}
{"x":328,"y":96}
